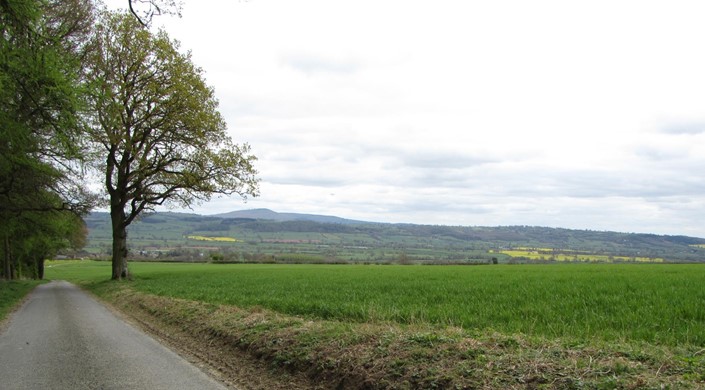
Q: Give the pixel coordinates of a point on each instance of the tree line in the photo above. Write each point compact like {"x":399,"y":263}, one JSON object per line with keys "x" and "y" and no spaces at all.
{"x":98,"y":110}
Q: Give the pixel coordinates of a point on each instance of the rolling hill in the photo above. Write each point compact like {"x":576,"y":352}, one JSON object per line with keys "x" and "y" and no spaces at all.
{"x":267,"y":236}
{"x":269,"y":215}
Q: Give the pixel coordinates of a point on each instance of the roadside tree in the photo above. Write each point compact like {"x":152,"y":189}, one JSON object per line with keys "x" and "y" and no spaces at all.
{"x":157,"y":135}
{"x":41,"y":43}
{"x":37,"y":236}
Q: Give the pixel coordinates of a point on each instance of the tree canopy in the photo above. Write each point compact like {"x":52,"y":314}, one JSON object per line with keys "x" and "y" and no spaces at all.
{"x":41,"y":43}
{"x":157,"y":134}
{"x":80,"y":88}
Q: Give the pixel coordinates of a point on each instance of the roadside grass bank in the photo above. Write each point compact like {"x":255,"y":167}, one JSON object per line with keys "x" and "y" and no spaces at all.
{"x":11,"y":294}
{"x":340,"y":352}
{"x":334,"y":354}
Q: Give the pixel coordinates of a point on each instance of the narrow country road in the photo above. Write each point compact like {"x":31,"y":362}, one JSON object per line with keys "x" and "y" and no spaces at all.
{"x":62,"y":338}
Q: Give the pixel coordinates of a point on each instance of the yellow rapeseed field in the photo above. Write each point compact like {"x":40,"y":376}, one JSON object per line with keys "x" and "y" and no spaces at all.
{"x":217,"y":239}
{"x":548,"y":254}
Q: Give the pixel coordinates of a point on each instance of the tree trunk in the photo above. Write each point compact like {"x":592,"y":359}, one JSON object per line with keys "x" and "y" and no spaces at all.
{"x":120,"y":271}
{"x":40,"y":268}
{"x":11,"y":260}
{"x":6,"y":259}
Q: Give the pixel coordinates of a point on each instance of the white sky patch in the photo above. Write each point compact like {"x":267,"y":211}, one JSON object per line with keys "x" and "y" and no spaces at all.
{"x":582,"y":115}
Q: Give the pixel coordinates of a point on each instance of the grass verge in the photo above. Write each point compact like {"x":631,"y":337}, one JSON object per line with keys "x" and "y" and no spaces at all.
{"x":11,"y":294}
{"x":337,"y":354}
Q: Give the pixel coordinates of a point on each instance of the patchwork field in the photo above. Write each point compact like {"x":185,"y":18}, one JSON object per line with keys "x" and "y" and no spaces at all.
{"x":188,"y":237}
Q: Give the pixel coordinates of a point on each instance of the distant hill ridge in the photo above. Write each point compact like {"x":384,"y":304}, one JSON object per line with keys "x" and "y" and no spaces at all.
{"x":263,"y":231}
{"x":267,"y":214}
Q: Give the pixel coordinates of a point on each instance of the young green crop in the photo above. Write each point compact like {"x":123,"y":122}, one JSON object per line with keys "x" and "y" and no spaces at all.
{"x":662,"y":304}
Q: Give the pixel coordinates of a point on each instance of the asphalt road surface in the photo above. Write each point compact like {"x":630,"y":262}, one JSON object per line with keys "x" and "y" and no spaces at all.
{"x":62,"y":338}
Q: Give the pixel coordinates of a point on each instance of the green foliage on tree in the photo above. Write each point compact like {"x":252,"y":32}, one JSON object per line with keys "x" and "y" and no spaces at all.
{"x":157,"y":134}
{"x":36,"y":236}
{"x":41,"y":44}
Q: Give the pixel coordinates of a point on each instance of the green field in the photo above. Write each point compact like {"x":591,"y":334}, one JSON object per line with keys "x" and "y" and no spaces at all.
{"x":648,"y":303}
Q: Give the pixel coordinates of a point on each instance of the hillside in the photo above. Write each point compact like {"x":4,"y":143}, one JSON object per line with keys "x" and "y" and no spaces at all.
{"x":266,"y":214}
{"x":267,"y":236}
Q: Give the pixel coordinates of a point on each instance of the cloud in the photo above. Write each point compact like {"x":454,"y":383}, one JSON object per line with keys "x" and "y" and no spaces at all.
{"x":473,"y":113}
{"x":440,"y":159}
{"x":684,"y":128}
{"x":312,"y":64}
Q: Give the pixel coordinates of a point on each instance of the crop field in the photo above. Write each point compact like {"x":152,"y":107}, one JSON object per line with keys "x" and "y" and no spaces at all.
{"x":661,"y":304}
{"x":216,"y":239}
{"x":565,"y":255}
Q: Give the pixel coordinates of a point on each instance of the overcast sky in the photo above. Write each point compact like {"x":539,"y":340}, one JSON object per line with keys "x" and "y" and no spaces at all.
{"x":587,"y":115}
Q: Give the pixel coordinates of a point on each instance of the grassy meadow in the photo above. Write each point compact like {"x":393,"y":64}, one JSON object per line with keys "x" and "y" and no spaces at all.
{"x":646,"y":303}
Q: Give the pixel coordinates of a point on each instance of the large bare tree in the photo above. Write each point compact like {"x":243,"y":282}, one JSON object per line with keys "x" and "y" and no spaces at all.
{"x":159,"y":136}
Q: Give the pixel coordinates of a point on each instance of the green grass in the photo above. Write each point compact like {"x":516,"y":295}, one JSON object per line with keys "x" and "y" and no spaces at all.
{"x":655,"y":304}
{"x":12,"y":292}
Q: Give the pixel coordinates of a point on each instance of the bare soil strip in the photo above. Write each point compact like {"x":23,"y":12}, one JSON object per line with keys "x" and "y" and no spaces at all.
{"x":260,"y":349}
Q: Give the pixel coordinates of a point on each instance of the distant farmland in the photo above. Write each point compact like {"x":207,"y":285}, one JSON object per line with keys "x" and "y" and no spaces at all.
{"x":567,"y":255}
{"x":188,"y":237}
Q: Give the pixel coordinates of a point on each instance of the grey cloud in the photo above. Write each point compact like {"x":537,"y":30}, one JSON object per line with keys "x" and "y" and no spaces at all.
{"x":685,"y":128}
{"x":620,"y":183}
{"x":445,"y":160}
{"x":493,"y":180}
{"x":313,"y":64}
{"x":436,"y":207}
{"x":307,"y":180}
{"x":659,"y":154}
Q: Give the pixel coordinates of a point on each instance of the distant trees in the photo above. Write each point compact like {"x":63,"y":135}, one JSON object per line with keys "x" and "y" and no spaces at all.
{"x":156,"y":133}
{"x":41,"y":43}
{"x":37,"y":236}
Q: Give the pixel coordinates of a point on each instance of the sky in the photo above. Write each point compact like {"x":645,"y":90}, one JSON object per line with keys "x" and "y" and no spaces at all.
{"x":573,"y":114}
